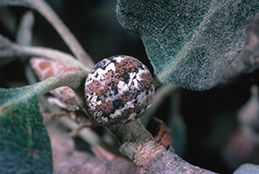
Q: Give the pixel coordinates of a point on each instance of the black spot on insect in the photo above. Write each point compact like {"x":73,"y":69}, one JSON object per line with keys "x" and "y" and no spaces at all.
{"x":113,"y":87}
{"x":135,"y":102}
{"x":147,"y":92}
{"x":99,"y":98}
{"x":111,"y":83}
{"x":126,"y":77}
{"x":121,"y":66}
{"x":112,"y":58}
{"x":115,"y":90}
{"x":113,"y":111}
{"x":117,"y":104}
{"x":102,"y":64}
{"x":96,"y":75}
{"x":136,"y":70}
{"x":105,"y":115}
{"x":136,"y":93}
{"x":126,"y":93}
{"x":138,"y":112}
{"x":141,"y":67}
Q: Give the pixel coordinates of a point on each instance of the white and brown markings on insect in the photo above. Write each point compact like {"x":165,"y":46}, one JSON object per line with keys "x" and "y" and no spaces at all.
{"x":117,"y":90}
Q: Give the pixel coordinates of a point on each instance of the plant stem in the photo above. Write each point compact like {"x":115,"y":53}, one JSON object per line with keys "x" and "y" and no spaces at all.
{"x":24,"y":31}
{"x":45,"y":10}
{"x":10,"y":51}
{"x":86,"y":133}
{"x":148,"y":155}
{"x":161,"y":94}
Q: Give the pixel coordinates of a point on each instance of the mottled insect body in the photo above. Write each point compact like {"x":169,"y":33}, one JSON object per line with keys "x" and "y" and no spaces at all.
{"x":117,"y":90}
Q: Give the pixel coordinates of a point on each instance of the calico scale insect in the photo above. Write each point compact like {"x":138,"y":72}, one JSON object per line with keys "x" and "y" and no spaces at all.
{"x":117,"y":90}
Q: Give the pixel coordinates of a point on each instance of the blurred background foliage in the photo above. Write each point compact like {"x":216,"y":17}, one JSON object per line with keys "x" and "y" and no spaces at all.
{"x":202,"y":123}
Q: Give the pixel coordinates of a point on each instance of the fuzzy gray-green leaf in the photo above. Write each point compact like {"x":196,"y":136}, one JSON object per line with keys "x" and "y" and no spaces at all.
{"x":24,"y":144}
{"x":188,"y":42}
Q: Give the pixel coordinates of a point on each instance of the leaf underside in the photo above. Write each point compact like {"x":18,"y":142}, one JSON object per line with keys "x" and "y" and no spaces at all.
{"x":24,"y":144}
{"x":189,"y":42}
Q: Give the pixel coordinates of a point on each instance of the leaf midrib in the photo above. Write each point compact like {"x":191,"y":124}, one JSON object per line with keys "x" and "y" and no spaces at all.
{"x":184,"y":51}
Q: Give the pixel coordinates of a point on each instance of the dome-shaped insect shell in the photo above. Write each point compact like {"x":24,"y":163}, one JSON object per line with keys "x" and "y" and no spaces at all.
{"x":117,"y":90}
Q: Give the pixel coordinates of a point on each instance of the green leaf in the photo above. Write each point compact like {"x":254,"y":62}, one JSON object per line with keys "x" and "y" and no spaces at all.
{"x":24,"y":143}
{"x":189,"y":43}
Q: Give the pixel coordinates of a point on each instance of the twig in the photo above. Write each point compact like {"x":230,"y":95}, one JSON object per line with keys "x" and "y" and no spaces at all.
{"x":52,"y":54}
{"x":161,"y":94}
{"x":45,"y":10}
{"x":24,"y":37}
{"x":10,"y":51}
{"x":149,"y":156}
{"x":86,"y":134}
{"x":64,"y":32}
{"x":24,"y":32}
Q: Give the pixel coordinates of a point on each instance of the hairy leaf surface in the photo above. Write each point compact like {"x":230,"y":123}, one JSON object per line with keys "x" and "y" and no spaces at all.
{"x":189,"y":42}
{"x":24,"y":145}
{"x":24,"y":142}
